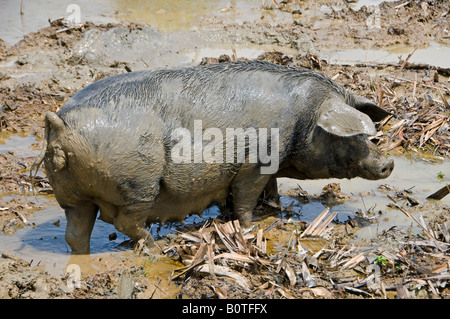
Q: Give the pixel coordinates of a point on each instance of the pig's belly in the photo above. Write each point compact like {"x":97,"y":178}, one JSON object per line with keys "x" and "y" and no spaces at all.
{"x":185,"y":191}
{"x":175,"y":207}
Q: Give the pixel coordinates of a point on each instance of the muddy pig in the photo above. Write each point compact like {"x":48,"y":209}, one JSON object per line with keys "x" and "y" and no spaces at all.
{"x":129,"y":147}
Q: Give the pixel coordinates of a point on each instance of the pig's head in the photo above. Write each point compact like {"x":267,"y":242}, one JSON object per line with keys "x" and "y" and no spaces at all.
{"x":338,"y":145}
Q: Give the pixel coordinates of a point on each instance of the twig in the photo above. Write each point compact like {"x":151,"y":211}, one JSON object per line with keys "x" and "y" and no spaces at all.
{"x":22,"y":218}
{"x":419,"y":84}
{"x":401,"y":5}
{"x":441,"y":193}
{"x":444,"y":100}
{"x":426,"y":230}
{"x":403,"y":65}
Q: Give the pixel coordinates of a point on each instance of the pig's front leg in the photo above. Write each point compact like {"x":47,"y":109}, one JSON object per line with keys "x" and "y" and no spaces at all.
{"x":246,"y":188}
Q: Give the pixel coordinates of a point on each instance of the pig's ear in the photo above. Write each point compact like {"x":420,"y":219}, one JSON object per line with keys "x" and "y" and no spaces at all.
{"x":366,"y":106}
{"x":341,"y":119}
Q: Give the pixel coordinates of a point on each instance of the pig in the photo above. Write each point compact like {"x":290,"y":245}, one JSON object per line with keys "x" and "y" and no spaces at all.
{"x":109,"y":150}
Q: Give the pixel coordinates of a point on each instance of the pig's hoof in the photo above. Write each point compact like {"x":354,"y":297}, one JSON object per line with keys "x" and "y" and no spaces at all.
{"x":143,"y":246}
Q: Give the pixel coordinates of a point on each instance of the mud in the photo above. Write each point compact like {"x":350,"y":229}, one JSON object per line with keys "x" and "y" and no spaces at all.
{"x":41,"y":71}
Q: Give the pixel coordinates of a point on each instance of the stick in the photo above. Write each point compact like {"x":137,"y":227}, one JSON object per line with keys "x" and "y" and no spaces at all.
{"x":441,"y":193}
{"x":404,"y":211}
{"x":403,"y":65}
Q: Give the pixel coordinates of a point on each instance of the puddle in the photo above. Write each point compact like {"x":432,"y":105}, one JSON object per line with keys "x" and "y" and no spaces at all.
{"x":43,"y":243}
{"x":358,"y":4}
{"x":164,"y":15}
{"x":185,"y":14}
{"x":423,"y":182}
{"x":250,"y":52}
{"x":435,"y":54}
{"x":14,"y":26}
{"x":21,"y":144}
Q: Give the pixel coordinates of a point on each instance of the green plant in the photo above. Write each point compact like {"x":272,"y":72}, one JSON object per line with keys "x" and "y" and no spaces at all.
{"x":440,"y":176}
{"x":380,"y":260}
{"x":146,"y":267}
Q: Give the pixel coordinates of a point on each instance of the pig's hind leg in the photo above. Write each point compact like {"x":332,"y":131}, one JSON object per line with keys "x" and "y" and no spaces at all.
{"x":80,"y":221}
{"x":271,"y":190}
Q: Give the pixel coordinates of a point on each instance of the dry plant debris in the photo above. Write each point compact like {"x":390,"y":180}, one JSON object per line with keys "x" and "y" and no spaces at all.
{"x":223,"y":262}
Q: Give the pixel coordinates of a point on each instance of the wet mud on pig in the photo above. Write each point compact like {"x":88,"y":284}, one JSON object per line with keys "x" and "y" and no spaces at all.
{"x":110,"y":149}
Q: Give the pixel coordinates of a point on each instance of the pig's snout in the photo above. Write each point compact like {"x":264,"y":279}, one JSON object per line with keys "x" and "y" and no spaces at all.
{"x":372,"y":168}
{"x":375,"y":165}
{"x":386,"y":169}
{"x":377,"y":169}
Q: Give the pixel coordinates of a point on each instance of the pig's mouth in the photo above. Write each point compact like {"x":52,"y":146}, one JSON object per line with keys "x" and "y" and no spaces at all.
{"x":372,"y":170}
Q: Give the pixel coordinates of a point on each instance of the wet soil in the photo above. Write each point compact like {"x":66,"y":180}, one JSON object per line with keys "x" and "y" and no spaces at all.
{"x":41,"y":72}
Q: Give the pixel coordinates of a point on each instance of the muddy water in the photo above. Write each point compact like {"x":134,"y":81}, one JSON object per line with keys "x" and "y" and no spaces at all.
{"x":13,"y":24}
{"x":21,"y":144}
{"x":186,"y":14}
{"x":435,"y":54}
{"x":419,"y":176}
{"x":21,"y":17}
{"x":43,"y":243}
{"x":164,"y":15}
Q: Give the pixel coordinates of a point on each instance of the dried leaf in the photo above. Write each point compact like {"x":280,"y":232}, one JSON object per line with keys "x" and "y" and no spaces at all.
{"x":402,"y":291}
{"x":261,"y":243}
{"x":322,"y":292}
{"x":290,"y":274}
{"x":242,"y":258}
{"x":318,"y":226}
{"x":219,"y":293}
{"x":285,"y":293}
{"x":191,"y":237}
{"x":306,"y":274}
{"x":226,"y":240}
{"x":227,"y":272}
{"x":352,"y":262}
{"x":211,"y":259}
